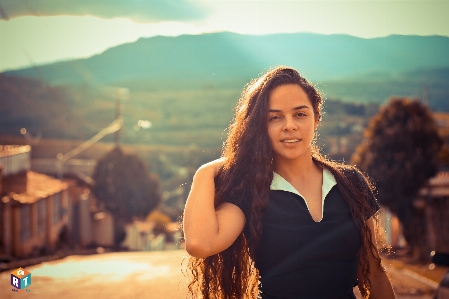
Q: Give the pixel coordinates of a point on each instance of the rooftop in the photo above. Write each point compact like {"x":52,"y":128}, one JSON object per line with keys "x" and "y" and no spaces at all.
{"x":438,"y":186}
{"x":29,"y":187}
{"x":9,"y":150}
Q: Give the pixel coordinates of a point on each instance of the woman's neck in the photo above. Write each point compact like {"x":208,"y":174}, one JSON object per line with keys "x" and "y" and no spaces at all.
{"x":296,"y":169}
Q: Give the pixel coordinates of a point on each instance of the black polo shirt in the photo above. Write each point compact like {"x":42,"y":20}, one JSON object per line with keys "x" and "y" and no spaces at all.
{"x":300,"y":258}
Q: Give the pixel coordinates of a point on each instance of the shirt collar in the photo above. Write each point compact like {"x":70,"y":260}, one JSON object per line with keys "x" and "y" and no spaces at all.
{"x":279,"y":183}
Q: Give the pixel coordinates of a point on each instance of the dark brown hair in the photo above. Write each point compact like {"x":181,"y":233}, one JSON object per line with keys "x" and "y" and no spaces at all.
{"x":247,"y":174}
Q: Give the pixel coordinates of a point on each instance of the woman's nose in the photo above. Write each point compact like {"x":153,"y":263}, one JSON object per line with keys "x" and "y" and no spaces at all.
{"x":290,"y":124}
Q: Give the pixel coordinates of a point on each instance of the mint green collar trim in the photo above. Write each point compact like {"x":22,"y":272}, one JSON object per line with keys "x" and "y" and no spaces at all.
{"x":279,"y":183}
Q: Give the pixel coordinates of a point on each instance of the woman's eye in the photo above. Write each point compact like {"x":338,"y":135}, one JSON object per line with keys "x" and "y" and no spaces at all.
{"x":301,"y":114}
{"x":273,"y":117}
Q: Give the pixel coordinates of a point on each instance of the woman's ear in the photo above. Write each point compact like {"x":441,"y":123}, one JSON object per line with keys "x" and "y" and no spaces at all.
{"x":317,"y":118}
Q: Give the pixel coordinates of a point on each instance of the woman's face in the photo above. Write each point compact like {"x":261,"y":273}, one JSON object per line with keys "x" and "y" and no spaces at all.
{"x":291,"y":122}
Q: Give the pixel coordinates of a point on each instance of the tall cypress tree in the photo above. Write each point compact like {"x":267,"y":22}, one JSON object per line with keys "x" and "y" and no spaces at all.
{"x":400,"y":152}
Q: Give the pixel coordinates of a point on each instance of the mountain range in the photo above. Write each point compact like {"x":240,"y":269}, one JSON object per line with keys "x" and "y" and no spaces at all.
{"x":188,"y":85}
{"x":227,"y":57}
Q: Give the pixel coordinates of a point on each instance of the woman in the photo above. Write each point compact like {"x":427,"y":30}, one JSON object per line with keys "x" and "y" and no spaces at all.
{"x":273,"y":217}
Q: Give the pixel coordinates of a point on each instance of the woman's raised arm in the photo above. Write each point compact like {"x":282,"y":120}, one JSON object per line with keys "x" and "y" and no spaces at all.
{"x":208,"y":231}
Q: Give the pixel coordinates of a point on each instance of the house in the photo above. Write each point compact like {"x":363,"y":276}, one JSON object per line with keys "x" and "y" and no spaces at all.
{"x":434,"y":200}
{"x":392,"y":228}
{"x":89,"y":225}
{"x":34,"y":207}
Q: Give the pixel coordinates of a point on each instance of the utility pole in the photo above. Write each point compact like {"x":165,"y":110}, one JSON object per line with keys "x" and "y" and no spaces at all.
{"x":114,"y":127}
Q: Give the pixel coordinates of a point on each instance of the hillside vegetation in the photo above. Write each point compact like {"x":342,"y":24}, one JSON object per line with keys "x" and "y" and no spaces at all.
{"x":193,"y":118}
{"x":187,"y":86}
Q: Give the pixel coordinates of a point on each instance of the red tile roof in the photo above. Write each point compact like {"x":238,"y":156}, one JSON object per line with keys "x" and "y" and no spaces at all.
{"x":29,"y":187}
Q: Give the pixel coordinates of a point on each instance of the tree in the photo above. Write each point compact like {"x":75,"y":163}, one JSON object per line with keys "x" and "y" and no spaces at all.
{"x":400,"y":152}
{"x":126,"y":188}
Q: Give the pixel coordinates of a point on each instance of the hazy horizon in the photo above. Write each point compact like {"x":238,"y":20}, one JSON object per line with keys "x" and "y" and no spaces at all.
{"x":32,"y":63}
{"x":46,"y":31}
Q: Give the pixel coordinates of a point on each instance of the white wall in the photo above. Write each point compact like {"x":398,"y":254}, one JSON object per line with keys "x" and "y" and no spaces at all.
{"x":15,"y":159}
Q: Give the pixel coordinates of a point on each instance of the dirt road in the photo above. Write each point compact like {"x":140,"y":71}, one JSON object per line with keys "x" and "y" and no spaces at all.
{"x":129,"y":275}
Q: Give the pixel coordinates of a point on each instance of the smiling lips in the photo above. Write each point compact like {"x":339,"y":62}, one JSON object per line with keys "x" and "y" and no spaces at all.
{"x":292,"y":140}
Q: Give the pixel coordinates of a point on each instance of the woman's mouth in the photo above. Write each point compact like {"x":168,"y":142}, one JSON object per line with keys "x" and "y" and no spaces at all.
{"x":290,"y":140}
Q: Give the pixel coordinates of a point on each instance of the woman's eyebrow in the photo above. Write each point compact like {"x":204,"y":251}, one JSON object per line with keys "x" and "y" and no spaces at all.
{"x":295,"y":108}
{"x":301,"y":107}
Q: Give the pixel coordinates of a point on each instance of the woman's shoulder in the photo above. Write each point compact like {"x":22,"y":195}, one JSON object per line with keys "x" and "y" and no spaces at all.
{"x":358,"y":176}
{"x":350,"y":173}
{"x":346,"y":169}
{"x":360,"y":183}
{"x":353,"y":171}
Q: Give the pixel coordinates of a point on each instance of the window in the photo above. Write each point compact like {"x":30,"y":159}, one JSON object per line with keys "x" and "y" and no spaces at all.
{"x":41,"y":215}
{"x":25,"y":222}
{"x":57,"y":208}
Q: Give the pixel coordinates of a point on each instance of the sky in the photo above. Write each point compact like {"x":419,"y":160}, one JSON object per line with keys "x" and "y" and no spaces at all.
{"x":34,"y":32}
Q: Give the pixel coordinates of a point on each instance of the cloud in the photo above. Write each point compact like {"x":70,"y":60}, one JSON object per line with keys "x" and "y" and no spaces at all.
{"x":143,"y":11}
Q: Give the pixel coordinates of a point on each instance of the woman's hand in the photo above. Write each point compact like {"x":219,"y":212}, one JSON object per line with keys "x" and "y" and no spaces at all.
{"x":208,"y":231}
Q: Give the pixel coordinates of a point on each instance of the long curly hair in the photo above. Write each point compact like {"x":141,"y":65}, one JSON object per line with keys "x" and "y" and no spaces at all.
{"x":247,"y":173}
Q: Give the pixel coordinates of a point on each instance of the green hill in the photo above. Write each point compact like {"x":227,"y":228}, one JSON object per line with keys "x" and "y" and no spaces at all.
{"x":194,"y":60}
{"x":187,"y":86}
